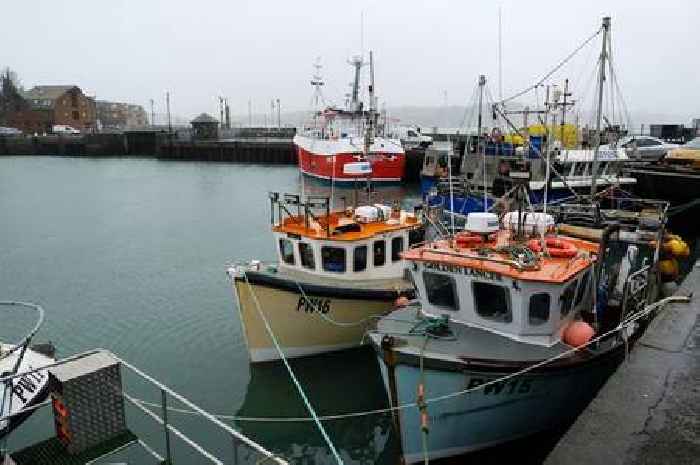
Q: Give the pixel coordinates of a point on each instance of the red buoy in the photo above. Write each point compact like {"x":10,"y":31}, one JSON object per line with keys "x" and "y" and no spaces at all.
{"x":578,"y":333}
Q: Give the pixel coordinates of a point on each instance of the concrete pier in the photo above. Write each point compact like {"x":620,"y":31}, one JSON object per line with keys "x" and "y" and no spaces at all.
{"x":649,"y":410}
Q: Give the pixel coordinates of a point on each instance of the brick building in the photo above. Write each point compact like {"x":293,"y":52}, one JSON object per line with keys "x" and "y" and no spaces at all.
{"x":52,"y":105}
{"x":116,"y":115}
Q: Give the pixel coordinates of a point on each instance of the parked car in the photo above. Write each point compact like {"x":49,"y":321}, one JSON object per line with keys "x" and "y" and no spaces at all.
{"x":64,"y":129}
{"x":688,"y":153}
{"x":4,"y":131}
{"x":644,"y":148}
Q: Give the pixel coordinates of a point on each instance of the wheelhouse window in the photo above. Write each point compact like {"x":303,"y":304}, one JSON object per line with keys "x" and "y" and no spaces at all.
{"x":379,"y":253}
{"x":396,"y":248}
{"x":492,"y":302}
{"x":441,"y":290}
{"x":582,"y":288}
{"x":567,"y":298}
{"x":333,"y":259}
{"x":416,"y":236}
{"x":287,"y":251}
{"x":306,"y":254}
{"x":359,"y":258}
{"x":538,"y":311}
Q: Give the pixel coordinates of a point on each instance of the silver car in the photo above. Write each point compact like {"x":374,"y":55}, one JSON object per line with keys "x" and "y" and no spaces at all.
{"x":644,"y":148}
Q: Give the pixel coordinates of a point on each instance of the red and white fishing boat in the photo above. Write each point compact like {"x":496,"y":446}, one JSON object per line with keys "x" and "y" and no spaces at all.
{"x":339,"y":136}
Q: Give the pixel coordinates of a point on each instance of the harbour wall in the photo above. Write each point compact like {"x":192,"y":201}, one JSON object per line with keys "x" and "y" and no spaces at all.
{"x":647,"y":412}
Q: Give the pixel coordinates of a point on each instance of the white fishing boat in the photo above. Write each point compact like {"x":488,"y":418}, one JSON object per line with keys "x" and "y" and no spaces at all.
{"x":337,"y":272}
{"x":489,"y":351}
{"x":29,"y":387}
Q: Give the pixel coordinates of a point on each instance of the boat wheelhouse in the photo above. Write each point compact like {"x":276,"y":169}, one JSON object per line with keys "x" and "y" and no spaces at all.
{"x":336,"y":272}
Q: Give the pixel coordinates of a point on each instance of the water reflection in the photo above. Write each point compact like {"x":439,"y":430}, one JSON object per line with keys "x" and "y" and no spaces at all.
{"x":336,"y":383}
{"x":408,"y":195}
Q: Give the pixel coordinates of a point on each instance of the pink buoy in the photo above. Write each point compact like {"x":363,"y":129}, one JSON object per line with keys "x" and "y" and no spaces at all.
{"x":578,"y":333}
{"x":402,"y":301}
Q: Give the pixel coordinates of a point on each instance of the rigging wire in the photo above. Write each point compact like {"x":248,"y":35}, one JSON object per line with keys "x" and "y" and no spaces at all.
{"x":553,"y":70}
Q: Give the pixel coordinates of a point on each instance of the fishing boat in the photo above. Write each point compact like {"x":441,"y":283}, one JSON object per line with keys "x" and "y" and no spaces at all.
{"x":337,"y":271}
{"x":559,"y":160}
{"x":337,"y":137}
{"x":29,"y":387}
{"x":498,"y":345}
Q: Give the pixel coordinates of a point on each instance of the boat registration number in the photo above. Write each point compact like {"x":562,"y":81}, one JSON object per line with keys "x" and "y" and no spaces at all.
{"x":313,"y":305}
{"x":507,"y":387}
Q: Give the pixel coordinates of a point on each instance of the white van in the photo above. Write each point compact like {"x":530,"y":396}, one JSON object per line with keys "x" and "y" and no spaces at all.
{"x":63,"y":129}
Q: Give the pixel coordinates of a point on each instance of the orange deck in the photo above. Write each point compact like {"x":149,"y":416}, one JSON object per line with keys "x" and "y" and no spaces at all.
{"x":317,"y":228}
{"x":549,"y":269}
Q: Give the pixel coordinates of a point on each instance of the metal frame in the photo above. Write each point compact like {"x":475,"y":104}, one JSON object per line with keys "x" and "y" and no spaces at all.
{"x":236,"y":436}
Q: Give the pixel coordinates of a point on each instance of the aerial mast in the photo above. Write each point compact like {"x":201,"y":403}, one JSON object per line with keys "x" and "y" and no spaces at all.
{"x":482,"y":84}
{"x":599,"y":113}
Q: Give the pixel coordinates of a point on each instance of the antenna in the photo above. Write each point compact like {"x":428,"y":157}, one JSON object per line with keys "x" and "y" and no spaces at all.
{"x":317,"y":83}
{"x":500,"y":58}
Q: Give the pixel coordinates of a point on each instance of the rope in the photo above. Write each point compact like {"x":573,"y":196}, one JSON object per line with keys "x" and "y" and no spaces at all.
{"x":343,"y":416}
{"x":291,"y":373}
{"x":554,"y":70}
{"x":344,"y":324}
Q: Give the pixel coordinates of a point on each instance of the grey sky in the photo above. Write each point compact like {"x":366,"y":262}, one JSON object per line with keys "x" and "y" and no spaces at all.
{"x":135,"y":50}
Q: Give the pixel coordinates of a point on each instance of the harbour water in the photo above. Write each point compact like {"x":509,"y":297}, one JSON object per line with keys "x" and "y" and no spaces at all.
{"x":129,"y":255}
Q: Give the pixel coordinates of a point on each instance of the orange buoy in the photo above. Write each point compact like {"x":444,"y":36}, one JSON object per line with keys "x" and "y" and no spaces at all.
{"x":578,"y":333}
{"x":556,"y":247}
{"x":401,"y":301}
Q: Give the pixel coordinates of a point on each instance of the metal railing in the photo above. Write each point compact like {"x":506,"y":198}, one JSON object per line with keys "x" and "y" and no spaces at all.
{"x":237,"y":439}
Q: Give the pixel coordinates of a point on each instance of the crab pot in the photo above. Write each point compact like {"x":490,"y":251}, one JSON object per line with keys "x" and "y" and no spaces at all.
{"x":88,"y":403}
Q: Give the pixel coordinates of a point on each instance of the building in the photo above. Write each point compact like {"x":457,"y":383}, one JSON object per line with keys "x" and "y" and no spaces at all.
{"x":52,"y":105}
{"x":121,"y":116}
{"x":205,"y":127}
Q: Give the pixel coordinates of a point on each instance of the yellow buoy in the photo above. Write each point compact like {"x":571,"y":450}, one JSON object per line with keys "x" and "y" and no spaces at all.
{"x":669,"y":268}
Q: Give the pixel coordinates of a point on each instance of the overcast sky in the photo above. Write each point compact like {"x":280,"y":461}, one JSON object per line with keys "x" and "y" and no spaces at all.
{"x":136,"y":50}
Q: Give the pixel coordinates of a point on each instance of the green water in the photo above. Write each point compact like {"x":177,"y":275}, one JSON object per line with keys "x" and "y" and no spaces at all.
{"x":129,"y":255}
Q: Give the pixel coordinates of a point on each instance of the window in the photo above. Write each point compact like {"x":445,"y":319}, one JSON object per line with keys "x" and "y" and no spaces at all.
{"x":379,"y":253}
{"x":306,"y":254}
{"x":333,"y":259}
{"x":76,"y":115}
{"x":441,"y":290}
{"x":359,"y":258}
{"x":287,"y":251}
{"x":416,"y":236}
{"x":567,"y":298}
{"x":396,"y":248}
{"x":538,"y":313}
{"x":492,"y":302}
{"x":582,"y":289}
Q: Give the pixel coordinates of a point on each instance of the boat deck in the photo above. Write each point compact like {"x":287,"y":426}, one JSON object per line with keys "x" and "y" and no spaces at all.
{"x":468,"y":345}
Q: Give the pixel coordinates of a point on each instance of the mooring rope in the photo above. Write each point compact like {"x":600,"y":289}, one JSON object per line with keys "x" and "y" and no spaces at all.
{"x":329,"y":319}
{"x":344,"y":416}
{"x":291,"y":372}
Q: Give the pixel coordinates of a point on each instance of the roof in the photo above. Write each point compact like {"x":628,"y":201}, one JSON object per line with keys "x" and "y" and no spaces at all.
{"x":205,"y":118}
{"x":485,"y":258}
{"x":343,"y":227}
{"x":47,"y":92}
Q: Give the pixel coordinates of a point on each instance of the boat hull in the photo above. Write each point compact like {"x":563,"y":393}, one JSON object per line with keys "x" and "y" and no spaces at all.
{"x":386,"y":167}
{"x":331,"y":319}
{"x":495,"y":414}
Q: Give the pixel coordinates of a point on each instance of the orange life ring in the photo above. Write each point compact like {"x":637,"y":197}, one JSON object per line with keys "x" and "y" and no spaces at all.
{"x":556,"y":247}
{"x":464,"y":239}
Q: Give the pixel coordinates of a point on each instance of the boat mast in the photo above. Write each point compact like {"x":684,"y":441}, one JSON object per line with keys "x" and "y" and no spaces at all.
{"x":601,"y":84}
{"x":355,"y":104}
{"x":371,"y":120}
{"x":482,"y":84}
